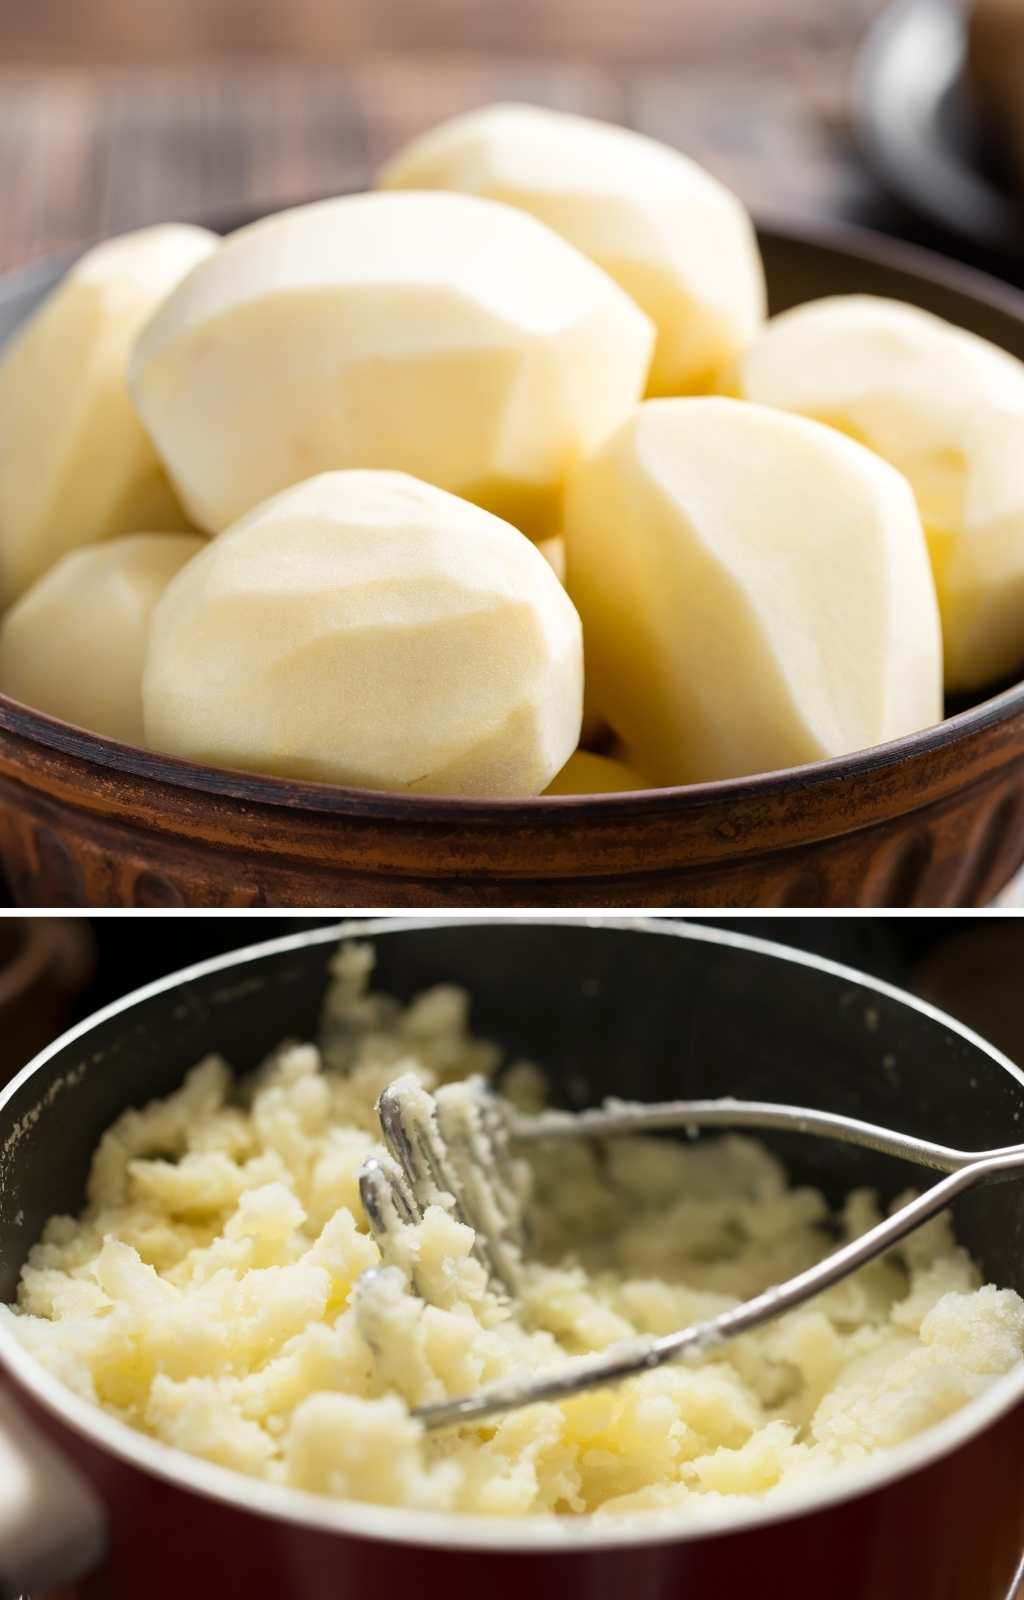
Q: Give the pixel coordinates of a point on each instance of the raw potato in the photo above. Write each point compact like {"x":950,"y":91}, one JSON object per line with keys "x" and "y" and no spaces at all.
{"x":553,"y":551}
{"x":754,"y":589}
{"x":74,"y":645}
{"x":595,"y":730}
{"x":434,"y":334}
{"x":76,"y":465}
{"x":587,"y":773}
{"x":679,"y":243}
{"x":947,"y":409}
{"x":365,"y":628}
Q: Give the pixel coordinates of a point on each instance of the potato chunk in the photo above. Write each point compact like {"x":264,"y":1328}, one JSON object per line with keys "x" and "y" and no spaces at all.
{"x":74,"y":645}
{"x":76,"y":465}
{"x":365,"y":628}
{"x":435,"y":334}
{"x":754,"y":589}
{"x":587,"y":773}
{"x":553,"y":551}
{"x":947,"y":409}
{"x":679,"y":243}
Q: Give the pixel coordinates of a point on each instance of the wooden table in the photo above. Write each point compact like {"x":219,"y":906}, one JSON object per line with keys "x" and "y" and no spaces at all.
{"x":114,"y":113}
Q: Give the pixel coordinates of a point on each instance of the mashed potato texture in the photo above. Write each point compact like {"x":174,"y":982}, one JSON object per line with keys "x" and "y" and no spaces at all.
{"x":209,"y":1295}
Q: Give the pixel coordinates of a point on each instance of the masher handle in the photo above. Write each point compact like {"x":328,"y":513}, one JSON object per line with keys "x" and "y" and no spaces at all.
{"x":642,"y":1355}
{"x":626,"y":1117}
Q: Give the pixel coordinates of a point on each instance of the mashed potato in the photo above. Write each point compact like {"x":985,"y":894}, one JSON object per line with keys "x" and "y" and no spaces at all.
{"x":208,"y":1296}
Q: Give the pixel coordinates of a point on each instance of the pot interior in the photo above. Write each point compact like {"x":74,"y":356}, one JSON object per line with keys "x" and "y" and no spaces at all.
{"x":643,"y":1011}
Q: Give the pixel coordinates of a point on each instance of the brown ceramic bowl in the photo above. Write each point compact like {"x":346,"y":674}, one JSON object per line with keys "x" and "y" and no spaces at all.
{"x":936,"y":819}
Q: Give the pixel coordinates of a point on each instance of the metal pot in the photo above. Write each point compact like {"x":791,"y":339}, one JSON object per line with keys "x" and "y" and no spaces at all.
{"x":651,"y":1009}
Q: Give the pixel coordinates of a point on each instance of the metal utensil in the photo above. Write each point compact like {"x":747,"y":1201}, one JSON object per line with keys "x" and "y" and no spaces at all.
{"x":454,"y":1148}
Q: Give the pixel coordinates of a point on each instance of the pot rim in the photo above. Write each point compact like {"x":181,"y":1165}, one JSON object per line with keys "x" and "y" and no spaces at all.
{"x":467,"y":1531}
{"x":110,"y":755}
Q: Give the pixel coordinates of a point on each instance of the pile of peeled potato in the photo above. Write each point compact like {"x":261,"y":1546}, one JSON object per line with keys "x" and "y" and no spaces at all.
{"x":356,"y":493}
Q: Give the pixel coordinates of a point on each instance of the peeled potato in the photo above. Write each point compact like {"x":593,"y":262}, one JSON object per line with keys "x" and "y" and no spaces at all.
{"x":74,"y":645}
{"x":553,"y":551}
{"x":675,"y":239}
{"x":365,"y":628}
{"x":595,"y":730}
{"x":76,"y":465}
{"x":586,"y":773}
{"x":435,"y":334}
{"x":947,"y":409}
{"x":754,"y":589}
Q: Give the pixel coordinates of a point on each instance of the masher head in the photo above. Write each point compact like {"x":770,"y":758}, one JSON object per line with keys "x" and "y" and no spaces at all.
{"x":452,"y":1150}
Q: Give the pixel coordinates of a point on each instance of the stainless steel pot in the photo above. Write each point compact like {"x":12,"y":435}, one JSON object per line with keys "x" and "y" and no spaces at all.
{"x":649,"y":1009}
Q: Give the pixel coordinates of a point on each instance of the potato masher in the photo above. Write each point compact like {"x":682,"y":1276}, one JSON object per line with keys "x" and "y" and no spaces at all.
{"x":454,"y":1149}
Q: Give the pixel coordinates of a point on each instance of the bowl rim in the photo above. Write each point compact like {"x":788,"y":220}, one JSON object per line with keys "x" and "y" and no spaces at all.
{"x":227,"y":783}
{"x":153,"y":767}
{"x":468,"y":1531}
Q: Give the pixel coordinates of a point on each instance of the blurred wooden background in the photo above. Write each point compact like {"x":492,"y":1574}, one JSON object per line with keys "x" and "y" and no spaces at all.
{"x":118,"y":112}
{"x":647,"y":30}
